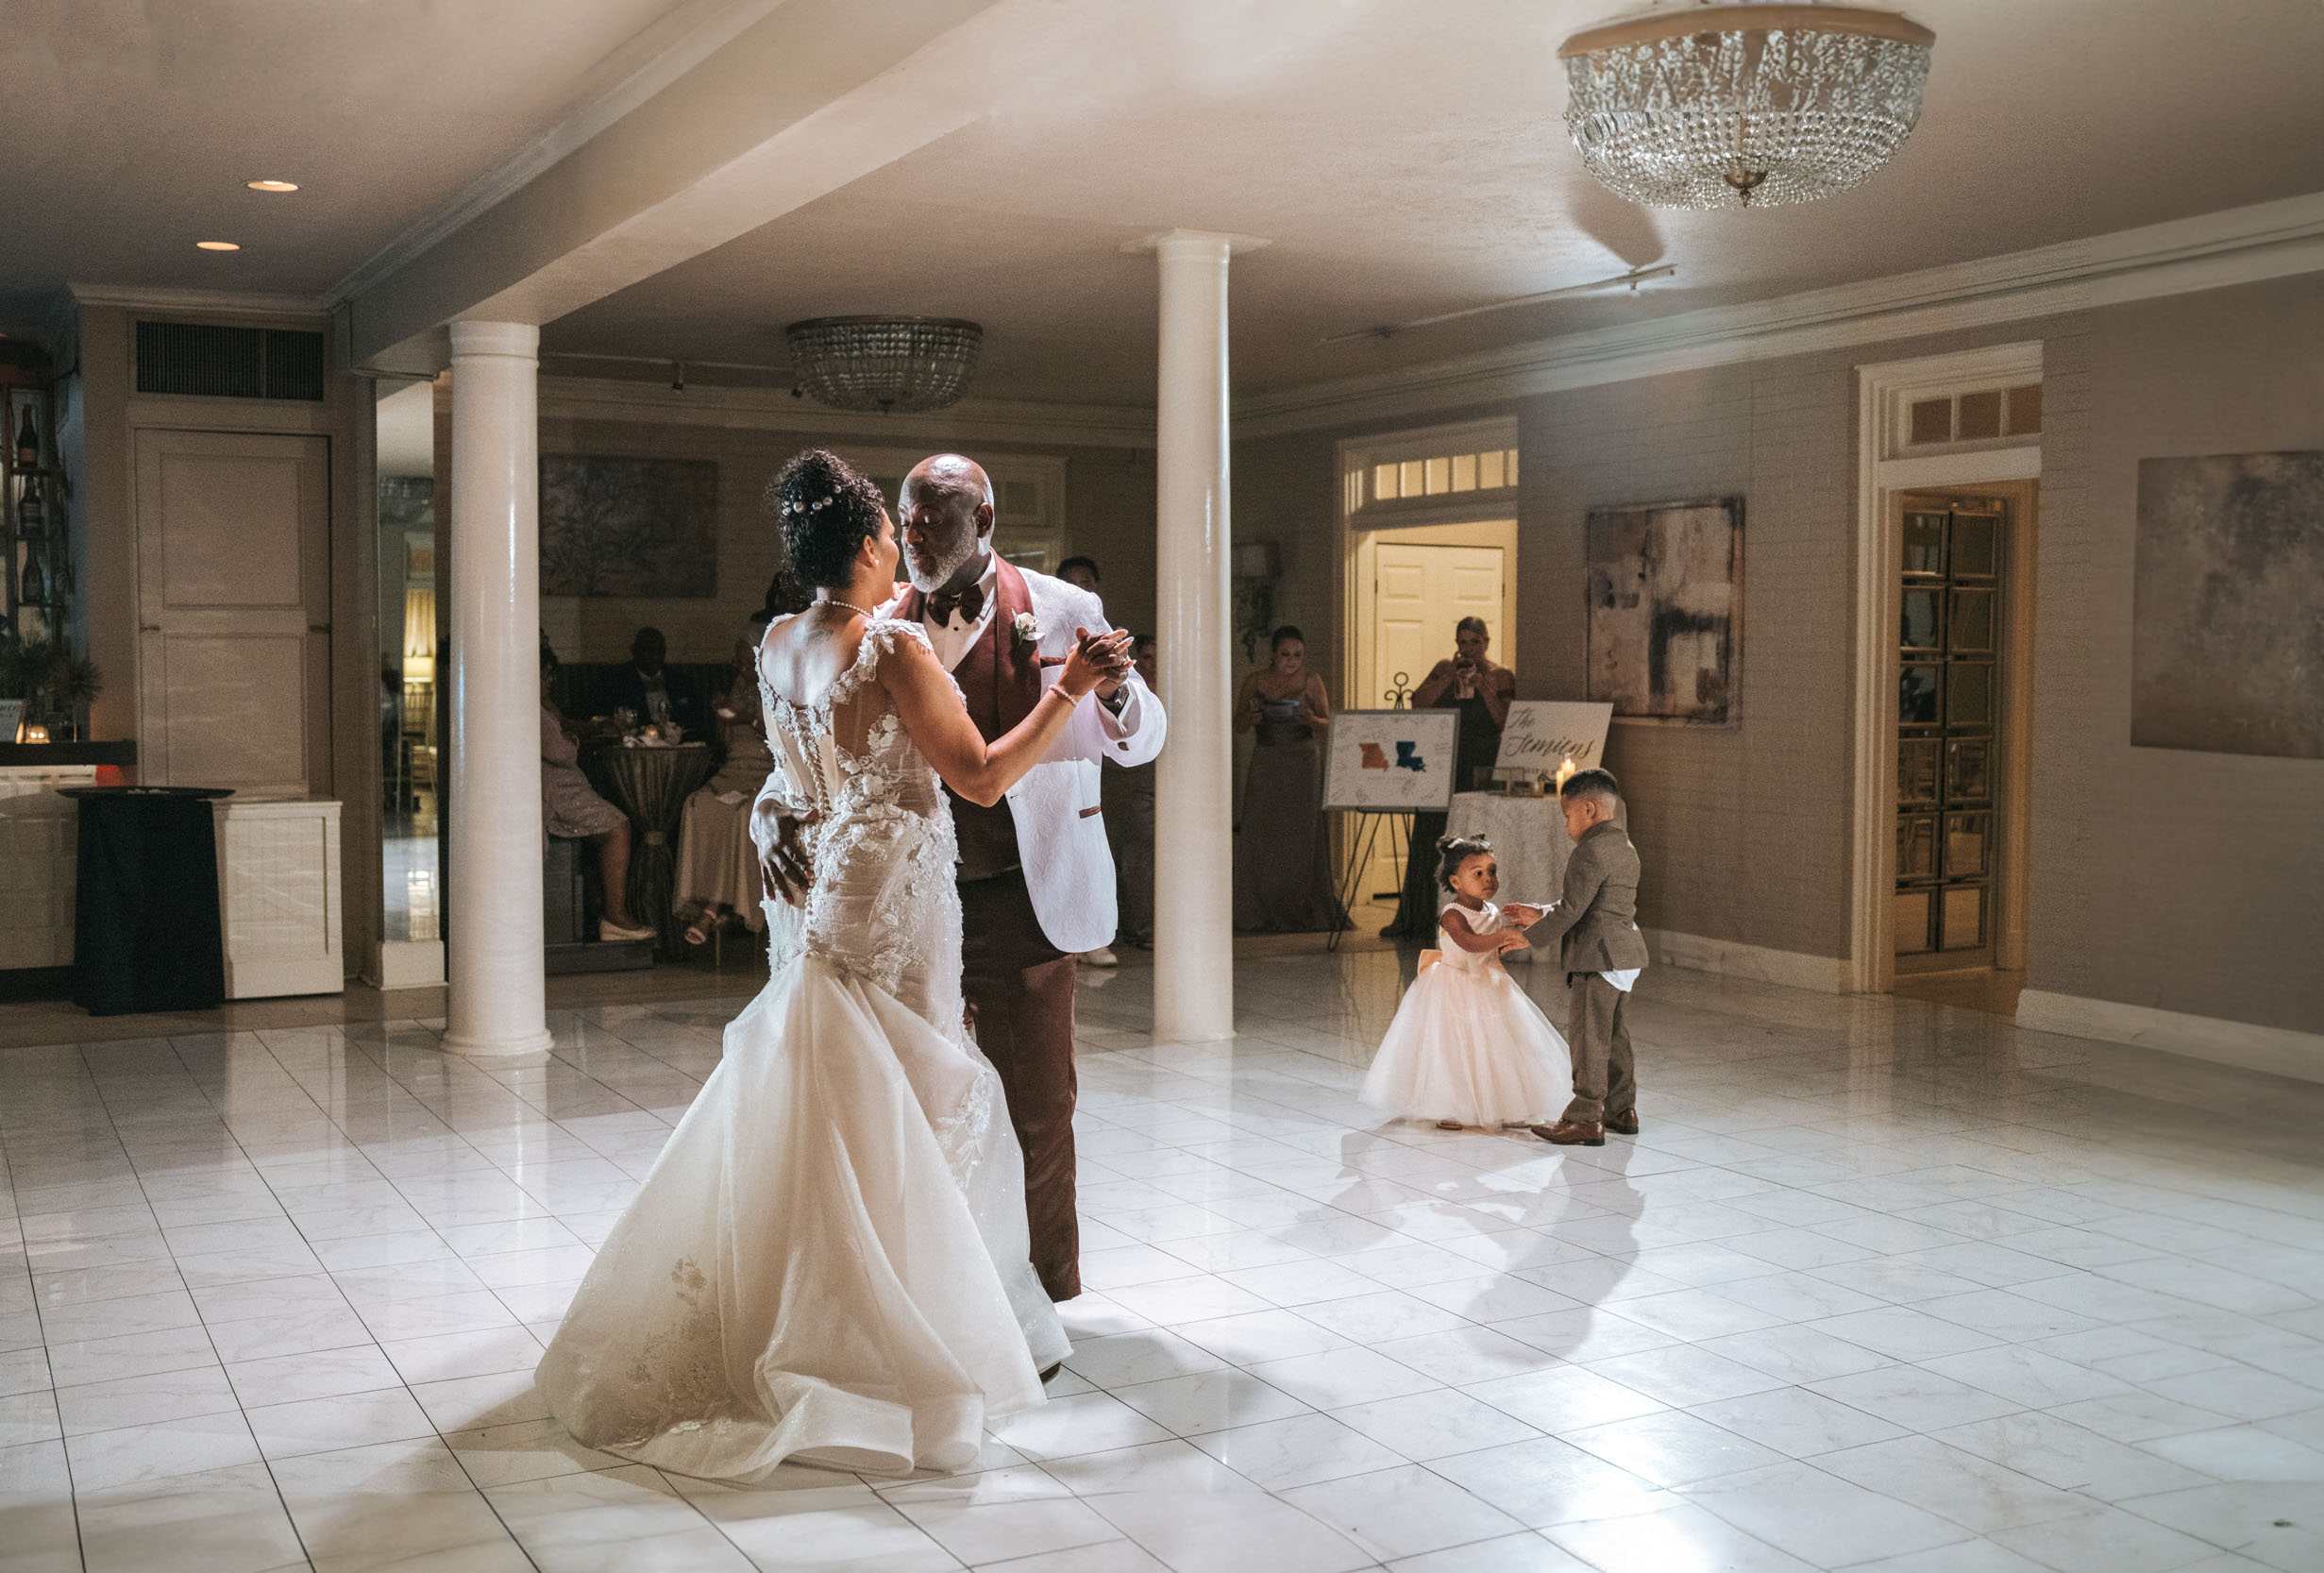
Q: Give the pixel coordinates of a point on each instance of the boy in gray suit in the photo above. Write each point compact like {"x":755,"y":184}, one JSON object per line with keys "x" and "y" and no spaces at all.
{"x":1602,"y":950}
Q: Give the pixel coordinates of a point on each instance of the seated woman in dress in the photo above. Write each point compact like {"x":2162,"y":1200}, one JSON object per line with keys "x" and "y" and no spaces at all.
{"x":572,"y":811}
{"x":718,"y":879}
{"x":1283,"y":876}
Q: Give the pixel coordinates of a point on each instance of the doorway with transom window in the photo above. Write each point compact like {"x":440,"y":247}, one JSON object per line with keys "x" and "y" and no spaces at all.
{"x":1430,"y":531}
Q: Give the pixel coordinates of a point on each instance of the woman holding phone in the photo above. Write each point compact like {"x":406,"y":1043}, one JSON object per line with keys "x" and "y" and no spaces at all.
{"x":1470,"y":682}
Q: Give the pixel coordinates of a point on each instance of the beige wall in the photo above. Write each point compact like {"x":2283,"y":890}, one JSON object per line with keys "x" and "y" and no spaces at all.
{"x":1744,"y":829}
{"x":2185,"y":881}
{"x":1109,"y":512}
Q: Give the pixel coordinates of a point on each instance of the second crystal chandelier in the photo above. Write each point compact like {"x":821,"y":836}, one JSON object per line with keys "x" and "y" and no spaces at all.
{"x":1749,"y":104}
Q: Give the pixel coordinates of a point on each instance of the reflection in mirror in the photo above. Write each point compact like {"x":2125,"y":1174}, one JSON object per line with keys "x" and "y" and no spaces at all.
{"x":1968,"y":769}
{"x":1912,"y":912}
{"x":1916,"y":770}
{"x":1923,"y":616}
{"x":1973,"y":622}
{"x":1924,"y":543}
{"x":1916,"y":696}
{"x":1965,"y":836}
{"x":1969,"y":694}
{"x":1964,"y":917}
{"x":1917,"y":847}
{"x":1974,"y":537}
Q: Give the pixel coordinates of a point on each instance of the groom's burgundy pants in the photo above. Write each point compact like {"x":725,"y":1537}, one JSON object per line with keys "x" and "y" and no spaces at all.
{"x":1019,"y":990}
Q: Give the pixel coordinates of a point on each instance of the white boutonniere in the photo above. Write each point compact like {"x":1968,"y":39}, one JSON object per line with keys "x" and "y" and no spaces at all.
{"x":1027,"y":630}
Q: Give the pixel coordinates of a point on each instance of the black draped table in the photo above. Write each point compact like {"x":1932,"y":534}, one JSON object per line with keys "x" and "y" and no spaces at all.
{"x":145,"y":932}
{"x":651,"y":786}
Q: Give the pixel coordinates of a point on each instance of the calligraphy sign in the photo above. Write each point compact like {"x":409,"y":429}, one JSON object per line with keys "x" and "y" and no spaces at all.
{"x":1542,"y":734}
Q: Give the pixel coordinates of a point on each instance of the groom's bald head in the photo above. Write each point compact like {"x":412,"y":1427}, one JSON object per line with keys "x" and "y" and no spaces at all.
{"x":946,"y":507}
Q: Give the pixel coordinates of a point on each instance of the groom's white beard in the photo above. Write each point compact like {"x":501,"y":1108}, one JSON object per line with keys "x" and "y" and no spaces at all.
{"x":935,"y":578}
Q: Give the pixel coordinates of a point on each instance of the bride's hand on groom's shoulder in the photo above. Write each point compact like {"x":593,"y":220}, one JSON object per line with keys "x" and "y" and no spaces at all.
{"x":784,"y":865}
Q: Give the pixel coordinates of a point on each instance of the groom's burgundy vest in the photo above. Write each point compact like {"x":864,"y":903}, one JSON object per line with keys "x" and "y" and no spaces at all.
{"x":1000,"y":685}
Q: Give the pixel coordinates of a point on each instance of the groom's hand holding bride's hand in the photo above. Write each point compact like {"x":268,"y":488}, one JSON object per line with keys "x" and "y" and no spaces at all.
{"x":1100,"y":662}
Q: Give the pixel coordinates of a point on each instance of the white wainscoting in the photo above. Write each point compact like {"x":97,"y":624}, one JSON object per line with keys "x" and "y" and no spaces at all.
{"x":1825,"y":975}
{"x":2279,"y":1050}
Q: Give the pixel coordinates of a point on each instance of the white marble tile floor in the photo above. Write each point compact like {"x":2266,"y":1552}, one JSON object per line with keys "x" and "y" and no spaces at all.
{"x":1883,"y":1286}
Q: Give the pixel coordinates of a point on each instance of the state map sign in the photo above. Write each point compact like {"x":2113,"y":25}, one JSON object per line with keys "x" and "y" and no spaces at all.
{"x":1390,"y":761}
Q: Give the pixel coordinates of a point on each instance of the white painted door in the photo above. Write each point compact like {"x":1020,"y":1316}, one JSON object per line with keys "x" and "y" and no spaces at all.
{"x":1420,"y":594}
{"x":234,"y":599}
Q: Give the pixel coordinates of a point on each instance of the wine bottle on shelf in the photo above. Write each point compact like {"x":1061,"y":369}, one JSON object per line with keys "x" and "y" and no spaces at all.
{"x":31,"y":508}
{"x":27,"y":441}
{"x":35,"y":582}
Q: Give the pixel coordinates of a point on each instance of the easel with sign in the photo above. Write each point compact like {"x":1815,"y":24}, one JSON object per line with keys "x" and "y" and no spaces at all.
{"x":1381,"y":767}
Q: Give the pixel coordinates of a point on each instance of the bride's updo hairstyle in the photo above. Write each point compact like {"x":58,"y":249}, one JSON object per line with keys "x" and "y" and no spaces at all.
{"x":827,"y":512}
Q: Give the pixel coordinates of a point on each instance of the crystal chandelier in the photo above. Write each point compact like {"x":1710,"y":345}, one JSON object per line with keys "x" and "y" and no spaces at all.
{"x":1743,"y":105}
{"x":885,"y":363}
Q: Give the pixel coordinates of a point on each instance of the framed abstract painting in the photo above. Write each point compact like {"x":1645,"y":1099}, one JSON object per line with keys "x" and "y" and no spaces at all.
{"x":1665,"y":610}
{"x":628,"y":527}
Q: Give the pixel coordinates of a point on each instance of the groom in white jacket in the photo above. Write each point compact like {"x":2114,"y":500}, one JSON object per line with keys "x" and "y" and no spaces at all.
{"x":1037,"y":874}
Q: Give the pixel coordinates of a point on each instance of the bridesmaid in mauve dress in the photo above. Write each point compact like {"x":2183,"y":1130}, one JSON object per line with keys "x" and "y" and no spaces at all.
{"x":1283,"y":877}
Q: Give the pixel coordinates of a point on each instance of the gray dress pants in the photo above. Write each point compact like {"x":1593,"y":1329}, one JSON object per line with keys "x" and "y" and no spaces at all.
{"x":1604,"y":1077}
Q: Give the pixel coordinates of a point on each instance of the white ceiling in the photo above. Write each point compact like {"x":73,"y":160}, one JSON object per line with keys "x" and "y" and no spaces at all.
{"x":1402,"y":158}
{"x":132,"y":125}
{"x":1410,"y":159}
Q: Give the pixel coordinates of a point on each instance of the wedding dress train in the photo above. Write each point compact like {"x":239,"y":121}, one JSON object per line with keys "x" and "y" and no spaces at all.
{"x":827,"y":1263}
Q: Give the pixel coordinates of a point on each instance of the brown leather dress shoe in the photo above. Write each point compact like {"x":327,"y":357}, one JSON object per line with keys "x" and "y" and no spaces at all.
{"x":1624,"y":1123}
{"x":1570,"y":1133}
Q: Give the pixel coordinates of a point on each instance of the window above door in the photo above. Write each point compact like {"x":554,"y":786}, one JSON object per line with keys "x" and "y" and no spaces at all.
{"x":1426,"y":476}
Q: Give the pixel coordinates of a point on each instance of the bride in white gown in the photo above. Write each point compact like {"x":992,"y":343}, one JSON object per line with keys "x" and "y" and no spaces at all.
{"x":827,"y":1263}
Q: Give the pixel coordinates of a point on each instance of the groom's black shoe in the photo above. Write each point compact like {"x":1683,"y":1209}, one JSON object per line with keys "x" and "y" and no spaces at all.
{"x":1052,"y":1370}
{"x":1624,"y":1123}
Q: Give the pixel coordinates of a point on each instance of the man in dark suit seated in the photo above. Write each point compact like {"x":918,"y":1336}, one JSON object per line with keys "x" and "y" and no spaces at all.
{"x":1595,"y":924}
{"x":649,"y":687}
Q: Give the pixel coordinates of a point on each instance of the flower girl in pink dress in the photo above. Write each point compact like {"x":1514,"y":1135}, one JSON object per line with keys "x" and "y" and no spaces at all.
{"x":1467,"y":1047}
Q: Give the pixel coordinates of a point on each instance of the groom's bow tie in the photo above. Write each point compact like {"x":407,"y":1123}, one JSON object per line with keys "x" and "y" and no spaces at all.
{"x":970,"y":602}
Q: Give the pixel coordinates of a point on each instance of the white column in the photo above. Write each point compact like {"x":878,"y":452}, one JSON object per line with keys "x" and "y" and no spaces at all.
{"x":1194,"y":833}
{"x":491,"y":853}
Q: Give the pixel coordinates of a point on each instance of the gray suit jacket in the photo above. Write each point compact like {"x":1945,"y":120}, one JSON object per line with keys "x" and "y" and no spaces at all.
{"x":1595,"y":920}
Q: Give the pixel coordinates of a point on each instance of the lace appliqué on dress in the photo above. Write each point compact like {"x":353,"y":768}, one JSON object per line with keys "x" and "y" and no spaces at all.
{"x":883,"y":846}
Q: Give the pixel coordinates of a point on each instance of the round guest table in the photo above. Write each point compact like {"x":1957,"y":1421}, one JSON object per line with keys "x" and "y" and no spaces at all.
{"x":651,"y":786}
{"x":1529,"y":844}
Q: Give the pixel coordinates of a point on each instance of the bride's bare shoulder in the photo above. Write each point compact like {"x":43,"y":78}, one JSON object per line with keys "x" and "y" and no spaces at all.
{"x":906,"y":657}
{"x":802,"y":655}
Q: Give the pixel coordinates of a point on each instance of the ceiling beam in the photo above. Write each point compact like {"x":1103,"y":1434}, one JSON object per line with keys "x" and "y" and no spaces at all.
{"x":807,"y":98}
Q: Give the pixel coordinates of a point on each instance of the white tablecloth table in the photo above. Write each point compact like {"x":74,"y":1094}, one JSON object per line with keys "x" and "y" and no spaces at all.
{"x":1529,"y":843}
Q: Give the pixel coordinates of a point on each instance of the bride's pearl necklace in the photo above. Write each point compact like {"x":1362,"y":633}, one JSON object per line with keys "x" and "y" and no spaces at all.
{"x":834,"y":601}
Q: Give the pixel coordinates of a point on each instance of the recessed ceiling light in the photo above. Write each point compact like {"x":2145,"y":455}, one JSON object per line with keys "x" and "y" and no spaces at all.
{"x":217,"y":246}
{"x":272,"y":185}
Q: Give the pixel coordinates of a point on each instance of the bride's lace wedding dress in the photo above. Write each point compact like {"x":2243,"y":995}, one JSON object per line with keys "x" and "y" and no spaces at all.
{"x":827,"y":1263}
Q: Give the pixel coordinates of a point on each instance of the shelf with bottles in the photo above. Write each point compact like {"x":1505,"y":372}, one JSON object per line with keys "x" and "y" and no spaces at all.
{"x":36,"y":565}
